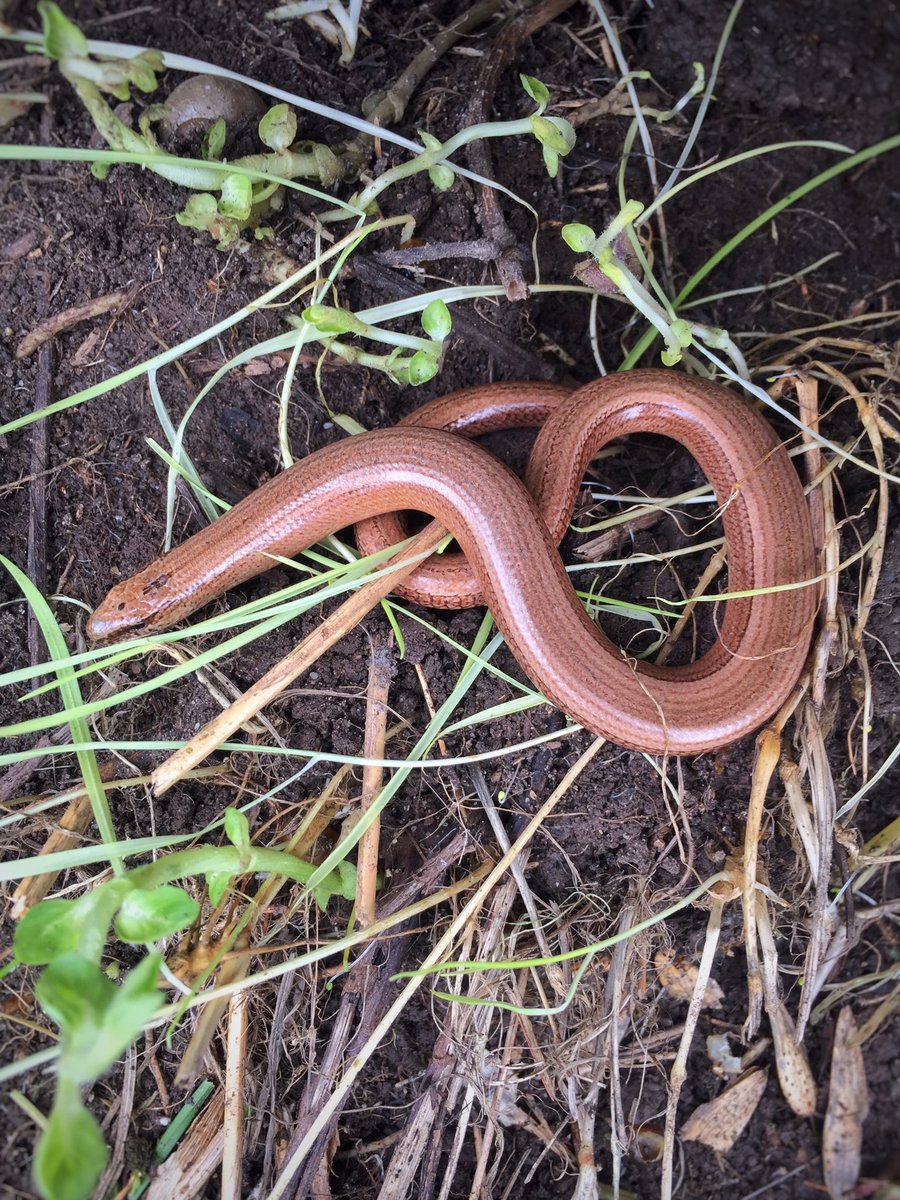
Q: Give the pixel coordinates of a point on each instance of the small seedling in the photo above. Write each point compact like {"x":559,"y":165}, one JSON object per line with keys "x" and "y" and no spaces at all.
{"x":416,"y":368}
{"x":555,"y":134}
{"x":611,"y":268}
{"x":97,"y":1018}
{"x":230,"y":200}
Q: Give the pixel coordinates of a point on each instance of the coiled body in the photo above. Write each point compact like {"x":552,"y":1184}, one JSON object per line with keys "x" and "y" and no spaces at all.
{"x":508,"y":533}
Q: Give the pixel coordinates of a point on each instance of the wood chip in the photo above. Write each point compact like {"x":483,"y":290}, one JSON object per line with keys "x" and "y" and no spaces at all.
{"x":115,"y":302}
{"x":679,"y":978}
{"x":186,"y":1172}
{"x":721,"y":1122}
{"x":848,"y":1105}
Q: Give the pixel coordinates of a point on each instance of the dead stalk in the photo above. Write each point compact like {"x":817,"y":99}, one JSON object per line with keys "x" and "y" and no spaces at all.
{"x":717,"y":901}
{"x":381,"y":670}
{"x":235,"y":1073}
{"x":302,"y":657}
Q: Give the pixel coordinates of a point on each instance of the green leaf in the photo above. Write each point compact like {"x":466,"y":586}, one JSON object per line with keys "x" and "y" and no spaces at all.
{"x":555,"y":132}
{"x":74,"y":993}
{"x":46,"y":931}
{"x":436,"y":320}
{"x":579,"y":238}
{"x":442,"y":177}
{"x":181,"y":1122}
{"x":236,"y":199}
{"x":100,"y":170}
{"x":132,"y":1006}
{"x":213,"y":144}
{"x":422,"y":367}
{"x":341,"y":882}
{"x":348,"y":424}
{"x":347,"y":873}
{"x":71,"y":1152}
{"x":146,"y":916}
{"x":440,"y":174}
{"x":143,"y":69}
{"x":333,"y":320}
{"x":217,"y":885}
{"x":237,"y":828}
{"x":429,"y":141}
{"x":278,"y":128}
{"x":551,"y":161}
{"x":536,"y":90}
{"x":677,"y":339}
{"x":62,"y":38}
{"x":97,"y":1019}
{"x":200,"y":209}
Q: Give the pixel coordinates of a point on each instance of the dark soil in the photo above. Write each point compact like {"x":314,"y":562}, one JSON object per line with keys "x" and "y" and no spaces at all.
{"x":804,"y":70}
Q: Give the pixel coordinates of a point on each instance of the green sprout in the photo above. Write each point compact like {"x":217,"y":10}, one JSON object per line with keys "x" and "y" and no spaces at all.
{"x":555,"y":134}
{"x":415,"y":368}
{"x":609,"y":251}
{"x":97,"y":1018}
{"x":232,"y":199}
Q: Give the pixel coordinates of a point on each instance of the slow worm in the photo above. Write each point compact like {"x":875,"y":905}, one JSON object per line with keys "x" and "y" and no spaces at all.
{"x":508,"y":532}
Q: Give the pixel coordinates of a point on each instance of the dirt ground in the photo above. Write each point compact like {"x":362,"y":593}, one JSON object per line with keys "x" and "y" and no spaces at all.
{"x":800,"y":70}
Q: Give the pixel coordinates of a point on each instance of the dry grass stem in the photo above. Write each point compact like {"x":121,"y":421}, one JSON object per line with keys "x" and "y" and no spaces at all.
{"x":794,"y":1075}
{"x":235,"y":1073}
{"x":381,"y":671}
{"x":437,"y":954}
{"x":824,"y":808}
{"x":274,"y":682}
{"x":848,"y":1105}
{"x":679,"y":1068}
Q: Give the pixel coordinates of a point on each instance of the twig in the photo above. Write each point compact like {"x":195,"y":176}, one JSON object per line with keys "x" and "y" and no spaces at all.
{"x":411,"y":256}
{"x":490,"y":215}
{"x":386,"y":107}
{"x":113,"y":302}
{"x":412,"y":1170}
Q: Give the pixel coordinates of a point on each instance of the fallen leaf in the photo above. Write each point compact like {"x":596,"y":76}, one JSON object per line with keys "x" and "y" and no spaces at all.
{"x":848,"y":1105}
{"x":721,"y":1122}
{"x":13,"y":107}
{"x":794,"y":1074}
{"x":679,"y":978}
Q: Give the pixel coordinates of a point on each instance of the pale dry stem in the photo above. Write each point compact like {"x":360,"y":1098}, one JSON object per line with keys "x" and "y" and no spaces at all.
{"x":300,"y":659}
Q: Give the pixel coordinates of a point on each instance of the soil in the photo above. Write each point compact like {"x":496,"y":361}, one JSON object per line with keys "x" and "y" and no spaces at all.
{"x":805,"y":70}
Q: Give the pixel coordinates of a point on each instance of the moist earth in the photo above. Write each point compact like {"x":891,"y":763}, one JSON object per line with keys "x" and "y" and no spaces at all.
{"x":791,"y":72}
